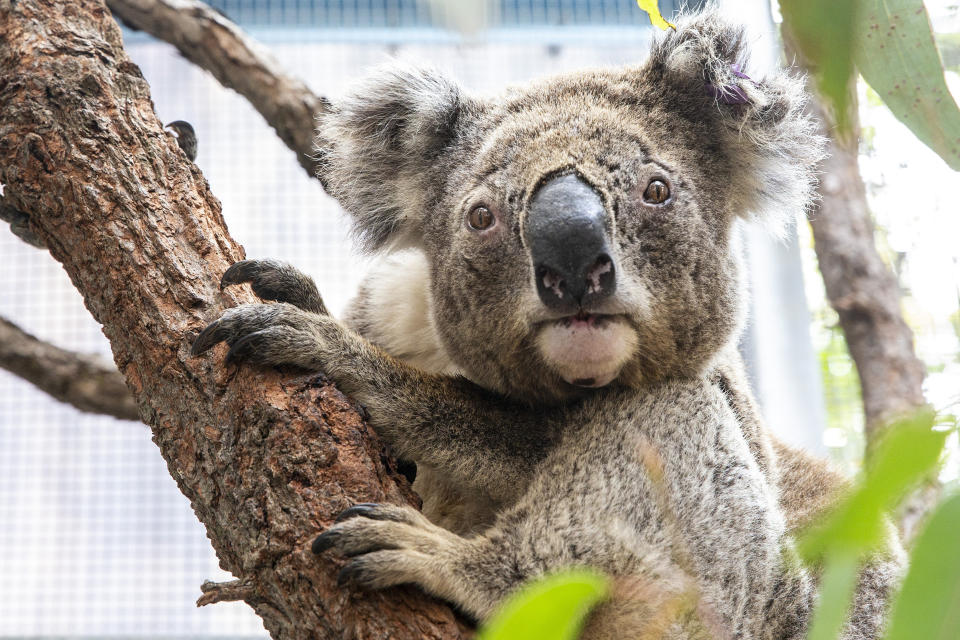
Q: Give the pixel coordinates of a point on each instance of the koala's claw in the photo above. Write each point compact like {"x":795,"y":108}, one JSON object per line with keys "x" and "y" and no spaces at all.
{"x":332,"y":537}
{"x":324,"y":541}
{"x":390,"y":545}
{"x":209,"y":337}
{"x":369,"y":572}
{"x":349,"y":574}
{"x":239,"y":272}
{"x":368,"y":527}
{"x":277,"y":281}
{"x":365,"y":509}
{"x":248,"y":347}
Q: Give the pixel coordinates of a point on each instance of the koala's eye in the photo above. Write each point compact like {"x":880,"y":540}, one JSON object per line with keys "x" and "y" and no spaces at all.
{"x":480,"y":218}
{"x":656,"y":192}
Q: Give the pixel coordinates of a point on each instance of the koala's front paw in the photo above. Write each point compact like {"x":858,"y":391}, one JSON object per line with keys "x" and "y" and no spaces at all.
{"x":277,"y":281}
{"x":390,"y":545}
{"x":267,"y":334}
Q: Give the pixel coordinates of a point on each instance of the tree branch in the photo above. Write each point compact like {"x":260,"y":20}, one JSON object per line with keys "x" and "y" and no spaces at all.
{"x":87,"y":382}
{"x":232,"y":591}
{"x":211,"y":41}
{"x":266,"y":462}
{"x":862,"y":289}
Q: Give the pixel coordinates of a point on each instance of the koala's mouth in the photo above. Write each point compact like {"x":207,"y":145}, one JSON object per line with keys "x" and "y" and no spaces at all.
{"x":587,"y":349}
{"x":584,"y":320}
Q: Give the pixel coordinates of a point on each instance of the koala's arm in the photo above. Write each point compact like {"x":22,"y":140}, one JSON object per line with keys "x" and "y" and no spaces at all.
{"x":473,"y":435}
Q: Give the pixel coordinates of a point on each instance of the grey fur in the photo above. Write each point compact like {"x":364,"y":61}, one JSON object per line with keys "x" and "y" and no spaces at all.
{"x":665,"y":478}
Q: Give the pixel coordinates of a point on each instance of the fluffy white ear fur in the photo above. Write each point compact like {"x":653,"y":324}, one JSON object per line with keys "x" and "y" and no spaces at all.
{"x":772,"y":140}
{"x":380,"y":141}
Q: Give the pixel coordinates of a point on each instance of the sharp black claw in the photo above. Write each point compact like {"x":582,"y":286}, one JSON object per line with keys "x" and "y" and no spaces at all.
{"x":348,"y":574}
{"x":207,"y":339}
{"x":241,"y":348}
{"x":238,"y":273}
{"x":324,"y":541}
{"x":362,"y":509}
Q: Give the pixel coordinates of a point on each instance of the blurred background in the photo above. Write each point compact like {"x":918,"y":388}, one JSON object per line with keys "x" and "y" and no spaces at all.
{"x":96,"y":538}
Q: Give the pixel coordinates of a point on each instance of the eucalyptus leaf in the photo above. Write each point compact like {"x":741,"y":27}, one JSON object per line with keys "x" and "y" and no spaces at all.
{"x":823,"y":31}
{"x":928,"y":606}
{"x":836,"y":592}
{"x":908,"y":452}
{"x":653,"y":10}
{"x":897,"y":56}
{"x":553,"y":608}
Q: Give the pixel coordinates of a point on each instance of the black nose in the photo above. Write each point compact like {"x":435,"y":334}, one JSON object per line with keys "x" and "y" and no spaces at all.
{"x":565,"y":230}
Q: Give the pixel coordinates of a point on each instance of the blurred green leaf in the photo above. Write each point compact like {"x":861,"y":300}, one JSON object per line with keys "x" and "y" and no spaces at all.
{"x":823,"y":31}
{"x":908,"y":452}
{"x":553,"y":608}
{"x":836,"y":592}
{"x":897,"y":56}
{"x":928,"y":606}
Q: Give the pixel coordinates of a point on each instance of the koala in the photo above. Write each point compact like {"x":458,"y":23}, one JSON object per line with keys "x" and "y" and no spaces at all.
{"x":551,"y":337}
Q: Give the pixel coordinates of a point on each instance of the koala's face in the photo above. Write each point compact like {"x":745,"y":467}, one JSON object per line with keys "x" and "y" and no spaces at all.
{"x":579,"y":230}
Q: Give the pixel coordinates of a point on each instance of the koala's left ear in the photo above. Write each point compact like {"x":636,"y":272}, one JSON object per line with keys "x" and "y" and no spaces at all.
{"x":769,"y":139}
{"x":380,"y":146}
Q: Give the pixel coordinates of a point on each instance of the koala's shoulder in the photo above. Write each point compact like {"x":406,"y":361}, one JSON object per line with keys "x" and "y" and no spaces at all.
{"x":392,"y":310}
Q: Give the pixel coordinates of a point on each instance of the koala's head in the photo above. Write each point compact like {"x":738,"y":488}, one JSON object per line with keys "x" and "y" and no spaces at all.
{"x":579,"y":231}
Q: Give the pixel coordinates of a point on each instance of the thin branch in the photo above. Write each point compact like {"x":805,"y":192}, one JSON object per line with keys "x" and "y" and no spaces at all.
{"x":88,"y":382}
{"x":231,"y":591}
{"x":865,"y":294}
{"x":211,"y":41}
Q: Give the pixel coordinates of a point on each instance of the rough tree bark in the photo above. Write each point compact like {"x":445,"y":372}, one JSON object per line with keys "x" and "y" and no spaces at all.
{"x":865,"y":294}
{"x":85,"y":381}
{"x":862,"y":289}
{"x":266,"y":462}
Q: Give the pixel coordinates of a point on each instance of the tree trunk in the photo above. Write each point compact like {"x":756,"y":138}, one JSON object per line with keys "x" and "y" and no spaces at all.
{"x":862,"y":289}
{"x":266,"y":462}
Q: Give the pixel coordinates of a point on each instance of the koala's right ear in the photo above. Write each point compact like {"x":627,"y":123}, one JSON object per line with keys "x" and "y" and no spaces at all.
{"x":380,"y":147}
{"x":770,"y":142}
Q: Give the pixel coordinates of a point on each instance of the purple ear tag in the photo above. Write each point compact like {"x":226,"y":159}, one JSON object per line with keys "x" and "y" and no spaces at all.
{"x":730,"y":94}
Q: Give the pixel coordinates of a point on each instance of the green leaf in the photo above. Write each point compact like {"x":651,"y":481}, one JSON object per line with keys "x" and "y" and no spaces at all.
{"x":836,"y":592}
{"x":897,"y":56}
{"x":653,"y":10}
{"x":908,"y":452}
{"x":928,"y":606}
{"x":823,"y":31}
{"x":553,"y":608}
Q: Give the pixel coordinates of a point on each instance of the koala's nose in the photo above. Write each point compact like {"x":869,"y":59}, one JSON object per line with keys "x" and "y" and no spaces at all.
{"x":565,"y":230}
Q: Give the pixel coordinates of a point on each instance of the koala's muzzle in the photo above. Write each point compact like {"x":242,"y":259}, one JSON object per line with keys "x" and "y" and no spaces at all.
{"x":565,"y":230}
